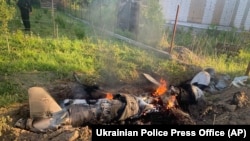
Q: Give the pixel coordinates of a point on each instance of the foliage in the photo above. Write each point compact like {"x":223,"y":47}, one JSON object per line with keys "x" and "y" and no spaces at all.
{"x":60,"y":21}
{"x":35,"y":3}
{"x":80,"y":32}
{"x":150,"y":23}
{"x":11,"y":92}
{"x":102,"y":60}
{"x":103,"y":14}
{"x":7,"y":11}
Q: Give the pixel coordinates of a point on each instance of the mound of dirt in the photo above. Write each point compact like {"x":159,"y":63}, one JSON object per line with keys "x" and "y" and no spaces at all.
{"x":184,"y":55}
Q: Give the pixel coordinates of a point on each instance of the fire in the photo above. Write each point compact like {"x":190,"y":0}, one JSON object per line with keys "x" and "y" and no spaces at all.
{"x":161,"y":89}
{"x":171,"y":102}
{"x":109,"y":95}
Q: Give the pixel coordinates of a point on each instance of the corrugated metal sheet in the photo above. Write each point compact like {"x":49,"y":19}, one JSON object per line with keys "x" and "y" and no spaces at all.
{"x":203,"y":13}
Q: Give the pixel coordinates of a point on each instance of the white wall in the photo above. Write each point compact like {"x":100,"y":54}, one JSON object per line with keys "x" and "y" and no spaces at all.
{"x":223,"y":13}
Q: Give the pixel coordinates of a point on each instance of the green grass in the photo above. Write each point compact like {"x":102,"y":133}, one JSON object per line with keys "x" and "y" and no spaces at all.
{"x":76,"y":47}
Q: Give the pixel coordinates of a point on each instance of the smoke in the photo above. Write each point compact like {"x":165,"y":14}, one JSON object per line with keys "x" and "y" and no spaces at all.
{"x":102,"y":13}
{"x":141,"y":20}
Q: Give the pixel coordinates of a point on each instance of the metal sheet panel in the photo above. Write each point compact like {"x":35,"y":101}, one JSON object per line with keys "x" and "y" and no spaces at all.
{"x":218,"y":12}
{"x":223,"y":13}
{"x":184,"y":10}
{"x":170,"y":8}
{"x":247,"y":22}
{"x":240,"y":13}
{"x":209,"y":11}
{"x":196,"y":11}
{"x":227,"y":12}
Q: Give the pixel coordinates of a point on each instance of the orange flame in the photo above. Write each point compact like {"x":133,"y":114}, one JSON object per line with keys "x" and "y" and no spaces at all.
{"x":171,"y":102}
{"x":161,"y":89}
{"x":109,"y":95}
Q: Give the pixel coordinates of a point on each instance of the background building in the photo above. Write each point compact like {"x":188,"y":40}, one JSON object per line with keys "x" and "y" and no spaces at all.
{"x":224,"y":14}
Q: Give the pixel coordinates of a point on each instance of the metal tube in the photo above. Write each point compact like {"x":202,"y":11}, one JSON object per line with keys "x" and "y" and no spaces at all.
{"x":174,"y":30}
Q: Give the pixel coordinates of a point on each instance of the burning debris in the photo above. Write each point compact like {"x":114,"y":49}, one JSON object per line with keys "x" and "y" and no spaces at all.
{"x":169,"y":109}
{"x":163,"y":106}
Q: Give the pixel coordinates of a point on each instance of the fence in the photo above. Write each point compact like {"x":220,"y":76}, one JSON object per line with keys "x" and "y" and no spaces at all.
{"x":225,"y":14}
{"x":111,"y":15}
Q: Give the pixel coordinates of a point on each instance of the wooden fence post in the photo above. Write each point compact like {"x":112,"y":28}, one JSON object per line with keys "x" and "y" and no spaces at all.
{"x":248,"y":69}
{"x":174,"y":30}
